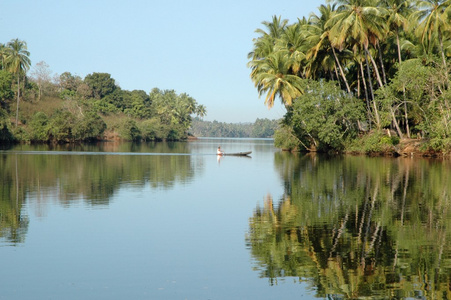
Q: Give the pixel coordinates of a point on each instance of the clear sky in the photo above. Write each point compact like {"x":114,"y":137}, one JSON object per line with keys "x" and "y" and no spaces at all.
{"x":197,"y":47}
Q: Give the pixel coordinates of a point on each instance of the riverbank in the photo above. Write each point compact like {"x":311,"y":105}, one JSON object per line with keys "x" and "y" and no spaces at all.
{"x":417,"y":147}
{"x":409,"y":147}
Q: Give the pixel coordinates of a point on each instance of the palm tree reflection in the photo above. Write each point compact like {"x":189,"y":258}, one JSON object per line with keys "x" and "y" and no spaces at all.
{"x":357,"y":227}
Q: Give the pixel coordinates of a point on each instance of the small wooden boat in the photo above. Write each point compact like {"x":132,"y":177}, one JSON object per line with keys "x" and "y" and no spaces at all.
{"x":238,"y":153}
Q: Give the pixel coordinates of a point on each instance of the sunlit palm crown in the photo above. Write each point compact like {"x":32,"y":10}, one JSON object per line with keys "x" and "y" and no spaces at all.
{"x":17,"y":57}
{"x":329,"y":44}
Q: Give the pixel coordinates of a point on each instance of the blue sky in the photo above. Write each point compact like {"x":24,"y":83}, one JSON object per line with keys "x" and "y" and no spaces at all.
{"x":196,"y":47}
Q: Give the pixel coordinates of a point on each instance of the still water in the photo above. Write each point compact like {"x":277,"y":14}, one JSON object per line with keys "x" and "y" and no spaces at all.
{"x":172,"y":221}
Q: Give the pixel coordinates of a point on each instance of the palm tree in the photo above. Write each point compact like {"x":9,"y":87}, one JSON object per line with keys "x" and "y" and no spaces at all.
{"x":434,"y":21}
{"x":361,"y":23}
{"x":319,"y":38}
{"x":2,"y":56}
{"x":17,"y":62}
{"x":272,"y":66}
{"x":201,"y":111}
{"x":275,"y":28}
{"x":397,"y":18}
{"x":264,"y":44}
{"x":271,"y":75}
{"x":292,"y":44}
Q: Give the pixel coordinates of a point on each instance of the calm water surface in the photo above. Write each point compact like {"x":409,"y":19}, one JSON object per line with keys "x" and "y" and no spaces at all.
{"x":171,"y":221}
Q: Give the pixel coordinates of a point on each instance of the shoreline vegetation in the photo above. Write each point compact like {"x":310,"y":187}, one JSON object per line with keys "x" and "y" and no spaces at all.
{"x":359,"y":76}
{"x":39,"y":107}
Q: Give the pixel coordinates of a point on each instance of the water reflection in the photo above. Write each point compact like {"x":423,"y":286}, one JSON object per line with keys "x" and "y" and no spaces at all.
{"x":111,"y":147}
{"x":74,"y":177}
{"x":355,"y":227}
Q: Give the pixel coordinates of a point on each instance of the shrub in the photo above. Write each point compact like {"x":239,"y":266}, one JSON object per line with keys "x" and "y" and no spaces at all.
{"x":39,"y":126}
{"x":6,"y":134}
{"x":374,"y":142}
{"x":129,"y":131}
{"x":90,"y":127}
{"x":284,"y":139}
{"x":150,"y":130}
{"x":61,"y":125}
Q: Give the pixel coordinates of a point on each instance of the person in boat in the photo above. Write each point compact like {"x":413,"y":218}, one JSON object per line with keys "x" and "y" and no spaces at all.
{"x":219,"y":151}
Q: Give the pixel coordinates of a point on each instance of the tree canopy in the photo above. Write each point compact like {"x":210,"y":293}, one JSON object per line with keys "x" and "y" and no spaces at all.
{"x":371,"y":49}
{"x":68,"y":108}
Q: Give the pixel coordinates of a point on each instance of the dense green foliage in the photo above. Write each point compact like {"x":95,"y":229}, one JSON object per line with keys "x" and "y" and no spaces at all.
{"x":261,"y":128}
{"x":357,"y":228}
{"x":69,"y":108}
{"x":323,"y":117}
{"x":390,"y":56}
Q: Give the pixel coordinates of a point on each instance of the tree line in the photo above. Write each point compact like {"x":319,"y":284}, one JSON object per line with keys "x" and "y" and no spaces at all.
{"x":261,"y":128}
{"x":358,"y":71}
{"x":37,"y":107}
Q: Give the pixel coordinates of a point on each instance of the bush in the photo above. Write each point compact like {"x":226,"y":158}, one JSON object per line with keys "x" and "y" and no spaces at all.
{"x":39,"y":126}
{"x":61,"y":125}
{"x":104,"y":107}
{"x":68,"y":95}
{"x":129,"y":131}
{"x":150,"y":130}
{"x":374,"y":142}
{"x":90,"y":127}
{"x":6,"y":134}
{"x":284,"y":139}
{"x":20,"y":134}
{"x":6,"y":92}
{"x":175,"y":133}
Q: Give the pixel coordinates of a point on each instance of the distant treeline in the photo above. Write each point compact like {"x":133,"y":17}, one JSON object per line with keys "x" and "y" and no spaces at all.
{"x":261,"y":128}
{"x":39,"y":107}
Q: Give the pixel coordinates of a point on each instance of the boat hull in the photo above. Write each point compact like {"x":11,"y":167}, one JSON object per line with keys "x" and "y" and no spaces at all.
{"x":238,"y":153}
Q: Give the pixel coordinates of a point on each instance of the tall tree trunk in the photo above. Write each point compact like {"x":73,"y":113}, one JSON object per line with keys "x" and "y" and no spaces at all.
{"x":18,"y":99}
{"x":341,"y":70}
{"x":365,"y":88}
{"x":39,"y":91}
{"x":358,"y":84}
{"x":336,"y":72}
{"x":376,"y":70}
{"x":440,"y":39}
{"x":376,"y":112}
{"x":406,"y":116}
{"x":395,"y":122}
{"x":381,"y":61}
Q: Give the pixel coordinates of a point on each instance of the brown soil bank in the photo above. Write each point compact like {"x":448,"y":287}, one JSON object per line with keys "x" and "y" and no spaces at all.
{"x":416,"y":147}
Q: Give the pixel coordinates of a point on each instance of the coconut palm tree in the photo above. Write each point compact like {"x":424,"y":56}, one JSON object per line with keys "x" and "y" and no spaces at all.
{"x":398,"y":12}
{"x":273,"y":61}
{"x":201,"y":111}
{"x":397,"y":19}
{"x":434,"y":20}
{"x":275,"y":28}
{"x":264,"y":44}
{"x":319,"y":39}
{"x":272,"y":76}
{"x":2,"y":56}
{"x":359,"y":23}
{"x":292,"y":45}
{"x":17,"y":62}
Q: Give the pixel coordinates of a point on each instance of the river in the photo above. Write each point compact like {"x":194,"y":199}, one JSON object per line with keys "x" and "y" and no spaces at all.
{"x":174,"y":221}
